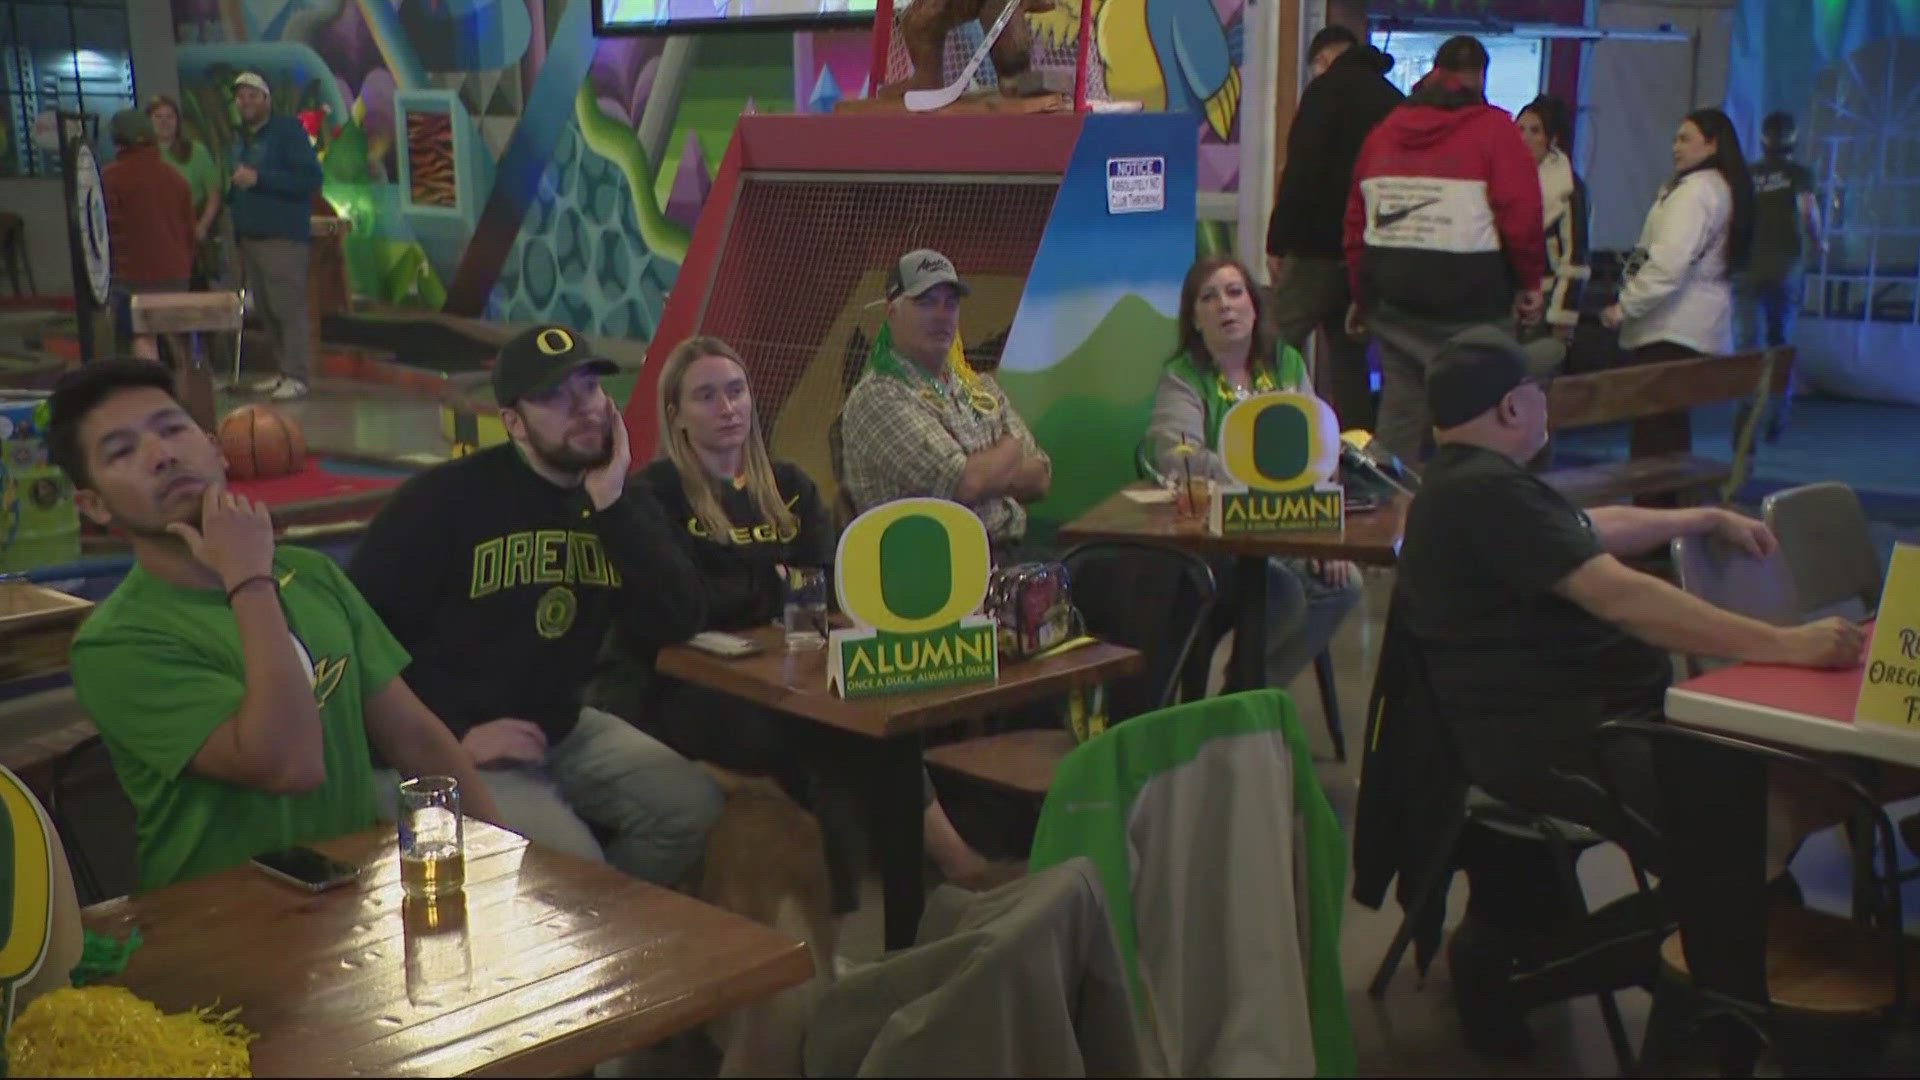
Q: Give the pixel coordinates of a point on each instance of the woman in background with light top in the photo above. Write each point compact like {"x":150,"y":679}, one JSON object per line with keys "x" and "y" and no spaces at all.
{"x":1677,"y":299}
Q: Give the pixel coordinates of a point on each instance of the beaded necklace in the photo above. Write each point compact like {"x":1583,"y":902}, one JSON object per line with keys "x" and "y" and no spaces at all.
{"x":963,"y":383}
{"x":1261,"y":383}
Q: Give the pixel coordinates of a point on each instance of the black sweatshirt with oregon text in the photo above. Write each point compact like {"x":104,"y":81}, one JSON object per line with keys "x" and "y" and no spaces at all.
{"x":503,"y":586}
{"x":739,"y":575}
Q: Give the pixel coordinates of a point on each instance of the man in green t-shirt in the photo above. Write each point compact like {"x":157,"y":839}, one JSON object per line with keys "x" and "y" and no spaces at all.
{"x":237,"y":684}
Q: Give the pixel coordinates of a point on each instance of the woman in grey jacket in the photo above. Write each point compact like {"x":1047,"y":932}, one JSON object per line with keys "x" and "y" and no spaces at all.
{"x":1228,"y":351}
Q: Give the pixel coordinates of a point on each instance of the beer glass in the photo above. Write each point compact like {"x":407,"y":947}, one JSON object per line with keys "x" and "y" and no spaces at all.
{"x":433,"y":860}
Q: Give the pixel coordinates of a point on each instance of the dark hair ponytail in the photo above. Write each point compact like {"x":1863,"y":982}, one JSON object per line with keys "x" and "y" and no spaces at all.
{"x":1732,"y":166}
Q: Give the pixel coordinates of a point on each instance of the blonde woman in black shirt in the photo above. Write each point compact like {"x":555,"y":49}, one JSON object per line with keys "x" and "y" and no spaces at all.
{"x":743,"y":518}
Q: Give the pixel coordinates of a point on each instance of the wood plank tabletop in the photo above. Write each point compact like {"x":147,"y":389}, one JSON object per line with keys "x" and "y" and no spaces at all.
{"x":796,"y":683}
{"x":1371,"y":537}
{"x":549,"y":966}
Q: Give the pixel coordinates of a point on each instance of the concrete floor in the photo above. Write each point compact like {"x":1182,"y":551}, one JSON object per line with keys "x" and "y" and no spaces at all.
{"x":341,"y":416}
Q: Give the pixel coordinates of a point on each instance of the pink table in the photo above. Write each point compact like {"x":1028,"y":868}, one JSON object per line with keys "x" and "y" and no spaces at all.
{"x":1798,"y":707}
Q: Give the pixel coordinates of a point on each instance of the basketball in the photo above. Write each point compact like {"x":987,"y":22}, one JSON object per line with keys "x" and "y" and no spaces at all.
{"x":261,"y":442}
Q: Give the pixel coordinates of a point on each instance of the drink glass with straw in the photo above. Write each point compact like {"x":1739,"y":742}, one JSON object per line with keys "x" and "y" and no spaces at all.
{"x":1190,"y":500}
{"x":433,"y":860}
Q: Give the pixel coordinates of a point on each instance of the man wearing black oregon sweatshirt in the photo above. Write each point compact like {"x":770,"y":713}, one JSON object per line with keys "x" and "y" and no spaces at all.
{"x":502,"y":572}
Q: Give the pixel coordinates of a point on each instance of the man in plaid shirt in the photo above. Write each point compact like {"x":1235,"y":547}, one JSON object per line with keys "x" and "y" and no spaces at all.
{"x":921,"y":422}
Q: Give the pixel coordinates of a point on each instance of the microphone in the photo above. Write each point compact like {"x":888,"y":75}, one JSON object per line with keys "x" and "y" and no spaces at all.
{"x":1363,"y":456}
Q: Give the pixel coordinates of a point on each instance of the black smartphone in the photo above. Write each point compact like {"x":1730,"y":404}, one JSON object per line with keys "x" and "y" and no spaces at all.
{"x":305,"y":868}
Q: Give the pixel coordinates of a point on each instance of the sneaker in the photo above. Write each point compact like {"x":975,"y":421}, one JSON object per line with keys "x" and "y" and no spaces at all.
{"x":267,"y":385}
{"x":290,"y":389}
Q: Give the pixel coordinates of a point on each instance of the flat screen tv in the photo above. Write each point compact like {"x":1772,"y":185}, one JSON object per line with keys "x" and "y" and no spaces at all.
{"x":680,"y":16}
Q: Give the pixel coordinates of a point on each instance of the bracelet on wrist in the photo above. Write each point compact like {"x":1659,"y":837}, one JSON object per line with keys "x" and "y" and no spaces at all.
{"x":268,"y":578}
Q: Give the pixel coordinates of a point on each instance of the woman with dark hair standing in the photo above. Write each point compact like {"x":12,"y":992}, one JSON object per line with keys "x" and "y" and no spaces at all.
{"x":1677,"y":299}
{"x":1547,"y":131}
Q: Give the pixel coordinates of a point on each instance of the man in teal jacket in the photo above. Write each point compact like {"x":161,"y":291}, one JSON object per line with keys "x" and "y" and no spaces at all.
{"x":275,"y":176}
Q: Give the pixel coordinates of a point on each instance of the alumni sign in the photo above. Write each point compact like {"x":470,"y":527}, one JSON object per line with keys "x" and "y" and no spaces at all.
{"x":1281,"y":450}
{"x":912,"y":575}
{"x":1890,"y":685}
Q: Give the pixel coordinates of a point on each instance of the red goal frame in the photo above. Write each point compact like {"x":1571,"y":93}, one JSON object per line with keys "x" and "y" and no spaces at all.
{"x":972,"y":149}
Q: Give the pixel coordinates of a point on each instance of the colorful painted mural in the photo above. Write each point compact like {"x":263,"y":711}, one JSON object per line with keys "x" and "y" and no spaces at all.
{"x":497,"y":160}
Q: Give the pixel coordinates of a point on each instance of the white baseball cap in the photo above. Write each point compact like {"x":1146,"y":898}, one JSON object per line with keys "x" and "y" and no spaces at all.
{"x":248,"y":78}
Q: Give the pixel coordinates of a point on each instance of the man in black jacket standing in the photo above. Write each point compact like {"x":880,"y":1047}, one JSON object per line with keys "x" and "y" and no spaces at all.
{"x":502,"y":571}
{"x":1347,"y":97}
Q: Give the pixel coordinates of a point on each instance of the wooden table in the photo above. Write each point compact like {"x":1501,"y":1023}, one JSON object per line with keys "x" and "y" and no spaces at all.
{"x":571,"y":963}
{"x":1371,"y":538}
{"x":1799,"y":707}
{"x":37,"y":625}
{"x":889,"y":729}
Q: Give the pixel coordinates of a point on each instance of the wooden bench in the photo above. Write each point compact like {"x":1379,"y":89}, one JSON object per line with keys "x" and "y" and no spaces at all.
{"x":1661,"y":467}
{"x":1018,"y":761}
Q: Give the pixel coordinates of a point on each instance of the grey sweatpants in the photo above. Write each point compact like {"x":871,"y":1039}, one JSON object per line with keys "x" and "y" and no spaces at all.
{"x":275,"y":272}
{"x":1407,"y":344}
{"x":1312,"y":294}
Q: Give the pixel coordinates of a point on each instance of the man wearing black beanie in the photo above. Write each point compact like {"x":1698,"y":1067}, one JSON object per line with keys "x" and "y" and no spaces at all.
{"x":1534,"y":632}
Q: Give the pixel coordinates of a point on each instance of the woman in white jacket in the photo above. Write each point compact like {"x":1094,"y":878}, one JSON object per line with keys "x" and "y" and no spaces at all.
{"x":1677,"y":298}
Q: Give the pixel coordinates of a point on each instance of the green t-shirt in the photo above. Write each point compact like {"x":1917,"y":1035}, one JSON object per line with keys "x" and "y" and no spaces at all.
{"x":158,"y":667}
{"x":202,"y":176}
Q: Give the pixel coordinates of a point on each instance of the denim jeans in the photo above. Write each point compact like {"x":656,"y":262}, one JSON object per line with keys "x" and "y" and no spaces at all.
{"x":1766,"y":310}
{"x":655,"y":805}
{"x":1303,"y":614}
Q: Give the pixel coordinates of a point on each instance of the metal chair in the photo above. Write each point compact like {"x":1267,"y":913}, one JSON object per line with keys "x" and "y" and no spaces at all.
{"x":1827,"y":543}
{"x":1818,"y":988}
{"x":1323,"y":671}
{"x":1729,"y":578}
{"x":86,"y":880}
{"x":1149,"y":597}
{"x":1564,"y":840}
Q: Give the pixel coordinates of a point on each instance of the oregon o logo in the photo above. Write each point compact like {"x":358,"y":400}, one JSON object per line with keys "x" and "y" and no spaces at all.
{"x":26,"y":923}
{"x":1280,"y":442}
{"x":914,"y":565}
{"x":554,"y":341}
{"x":553,"y":615}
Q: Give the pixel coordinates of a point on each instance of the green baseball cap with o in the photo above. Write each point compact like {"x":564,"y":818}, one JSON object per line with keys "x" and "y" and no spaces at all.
{"x":537,"y":359}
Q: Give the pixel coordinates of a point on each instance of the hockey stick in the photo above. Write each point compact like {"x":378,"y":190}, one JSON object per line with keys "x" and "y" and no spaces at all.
{"x":928,"y":100}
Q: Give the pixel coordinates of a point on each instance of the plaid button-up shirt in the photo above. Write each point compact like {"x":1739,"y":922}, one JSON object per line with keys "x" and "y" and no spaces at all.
{"x":905,"y":436}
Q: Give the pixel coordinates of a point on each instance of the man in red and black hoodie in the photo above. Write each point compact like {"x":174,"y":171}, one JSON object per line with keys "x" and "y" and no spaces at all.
{"x":1442,"y":233}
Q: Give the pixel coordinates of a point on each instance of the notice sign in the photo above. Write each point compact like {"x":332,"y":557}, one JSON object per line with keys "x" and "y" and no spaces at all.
{"x":1136,"y":185}
{"x":1890,"y":686}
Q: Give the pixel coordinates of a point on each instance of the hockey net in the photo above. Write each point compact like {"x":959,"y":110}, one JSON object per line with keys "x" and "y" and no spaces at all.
{"x":802,"y":269}
{"x":1056,"y":51}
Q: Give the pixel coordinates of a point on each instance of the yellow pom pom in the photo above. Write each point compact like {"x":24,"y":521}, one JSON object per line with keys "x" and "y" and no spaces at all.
{"x":107,"y":1031}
